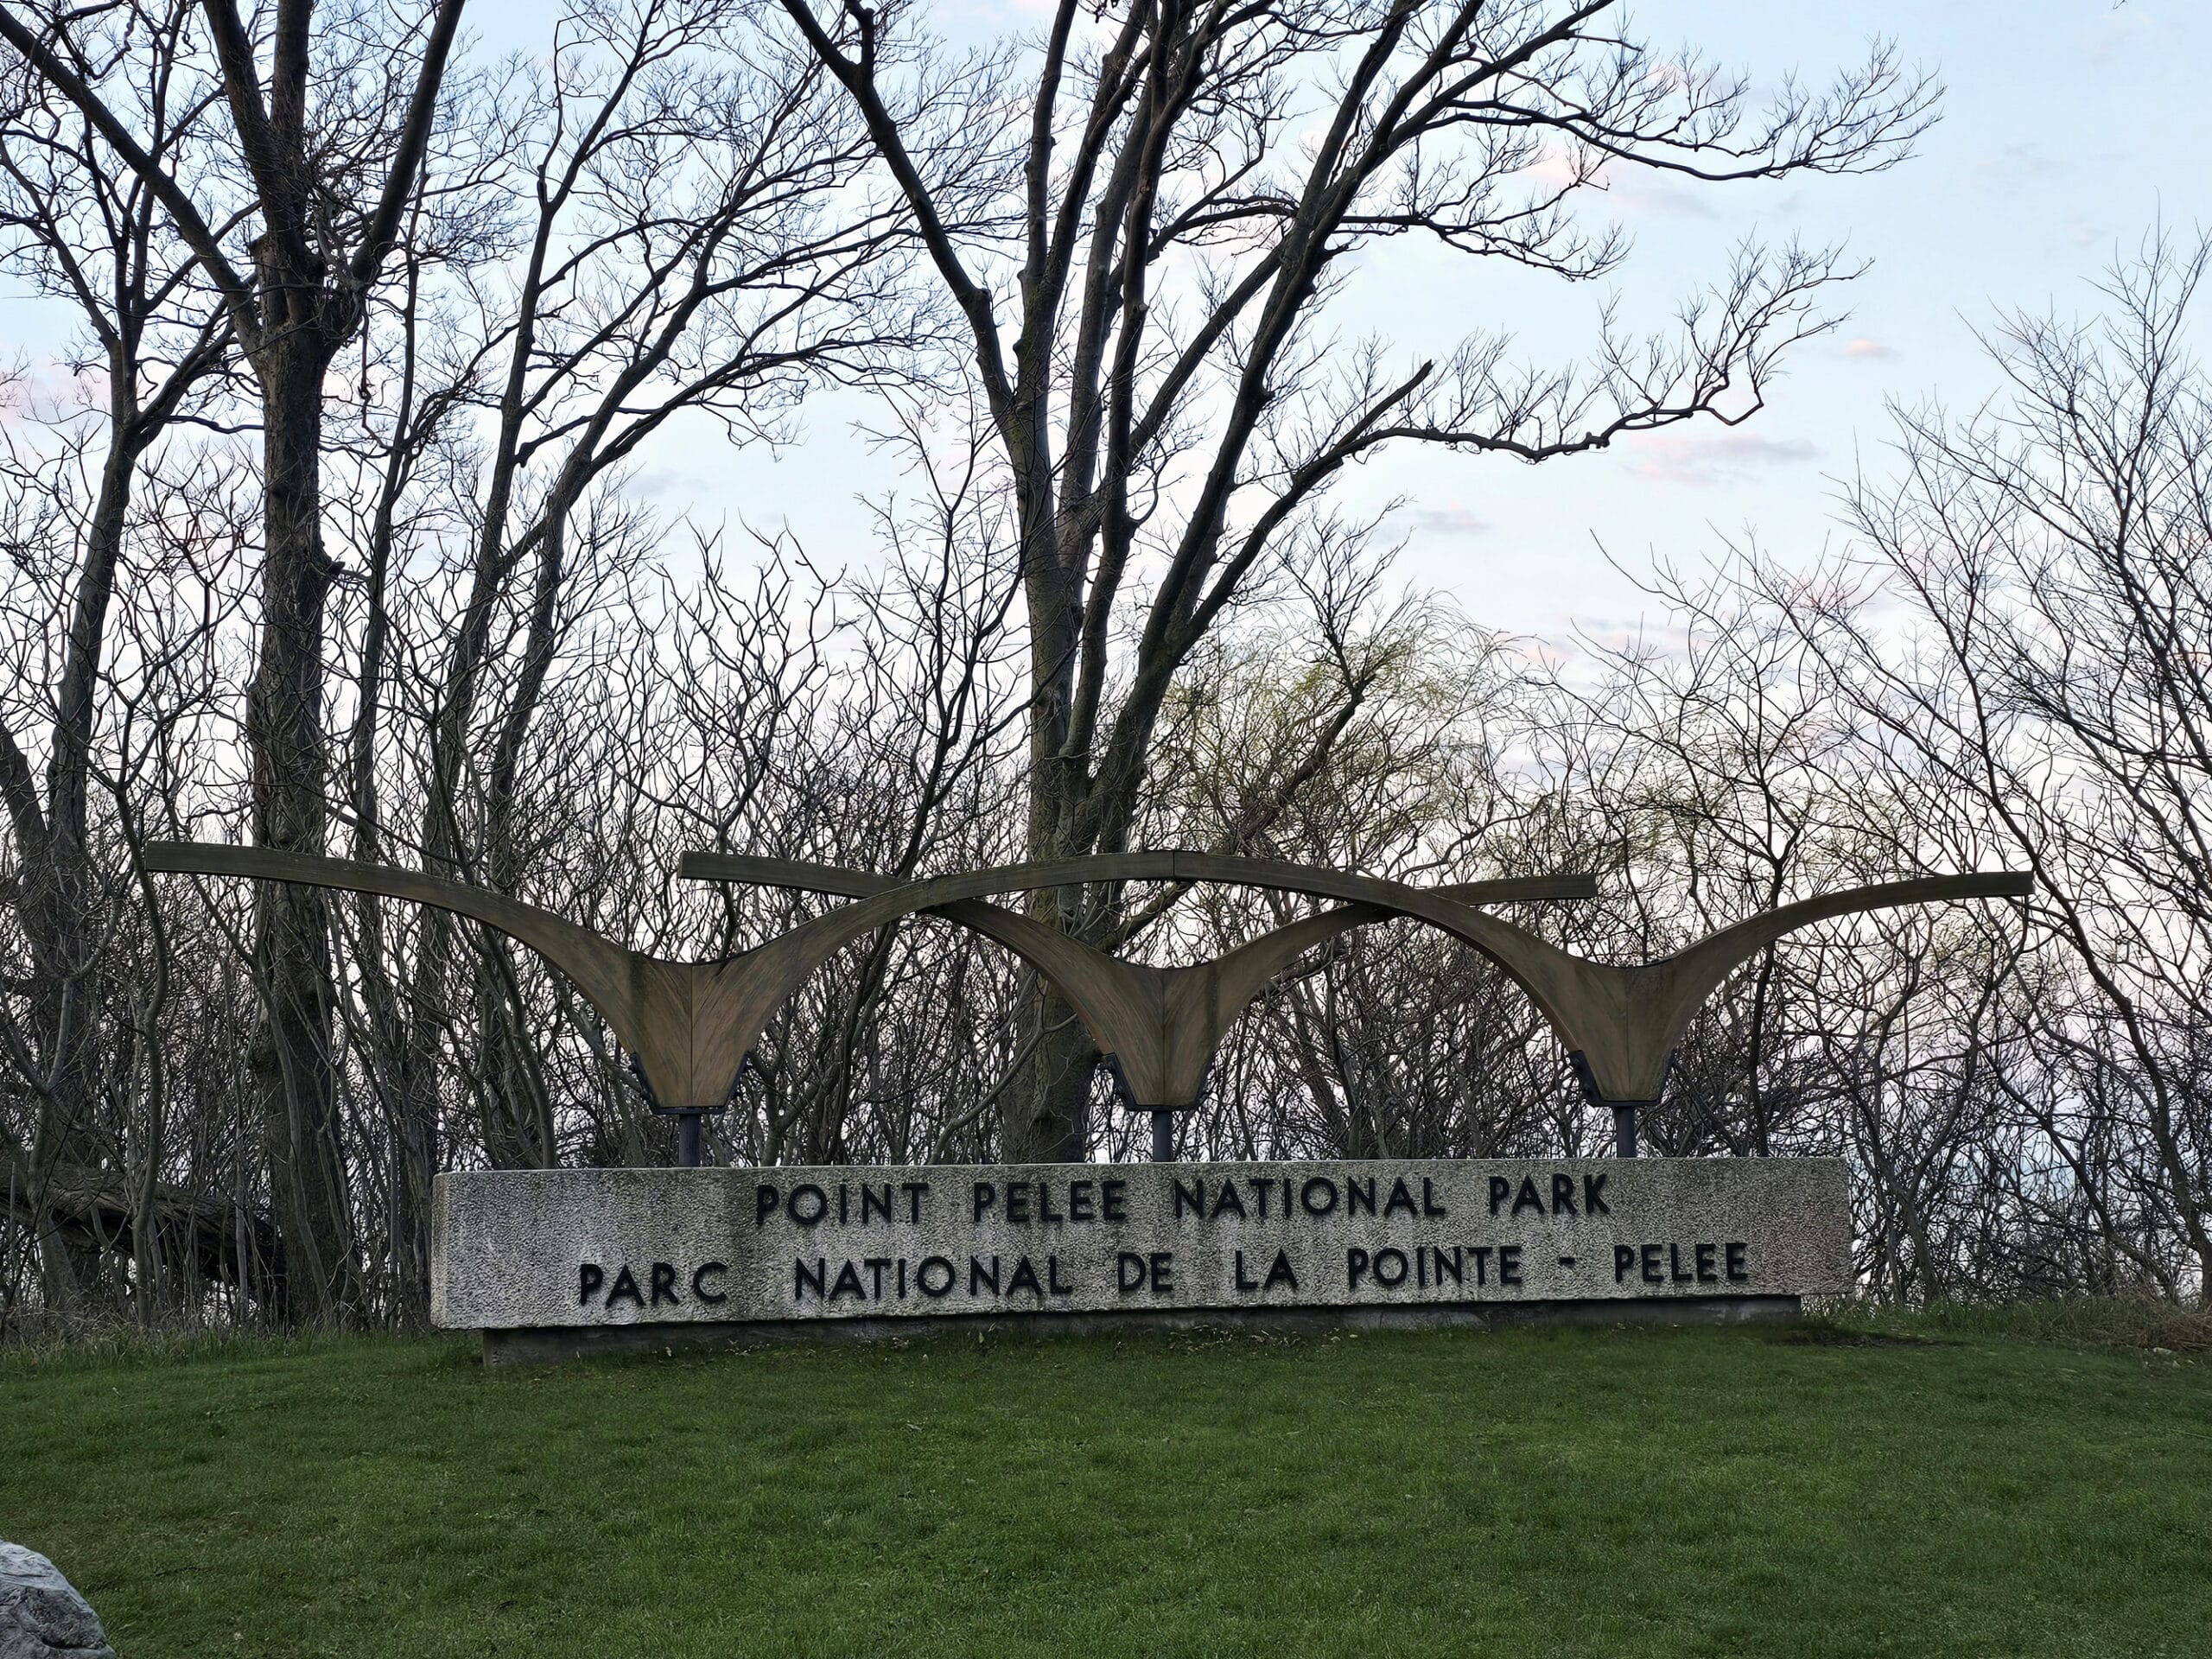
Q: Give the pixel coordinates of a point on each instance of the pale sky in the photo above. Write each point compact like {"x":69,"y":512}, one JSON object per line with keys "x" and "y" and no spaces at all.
{"x":2068,"y":128}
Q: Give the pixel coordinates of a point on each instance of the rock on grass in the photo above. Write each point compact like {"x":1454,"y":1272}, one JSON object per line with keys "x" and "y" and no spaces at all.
{"x":42,"y":1615}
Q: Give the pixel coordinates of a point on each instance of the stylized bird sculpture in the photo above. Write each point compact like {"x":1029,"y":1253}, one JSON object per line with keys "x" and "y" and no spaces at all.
{"x":690,"y":1024}
{"x":1159,"y":1026}
{"x":1619,"y":1024}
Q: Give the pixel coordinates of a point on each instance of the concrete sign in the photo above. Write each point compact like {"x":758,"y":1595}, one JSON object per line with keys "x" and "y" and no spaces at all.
{"x":596,"y":1253}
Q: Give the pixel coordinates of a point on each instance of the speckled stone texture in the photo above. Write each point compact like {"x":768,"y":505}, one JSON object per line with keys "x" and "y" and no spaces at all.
{"x":592,"y":1248}
{"x":41,"y":1616}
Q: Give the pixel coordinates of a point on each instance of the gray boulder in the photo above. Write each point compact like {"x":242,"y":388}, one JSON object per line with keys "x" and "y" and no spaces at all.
{"x":42,"y":1617}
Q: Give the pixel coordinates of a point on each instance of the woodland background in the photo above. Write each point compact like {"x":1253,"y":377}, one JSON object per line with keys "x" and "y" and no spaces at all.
{"x":323,"y":537}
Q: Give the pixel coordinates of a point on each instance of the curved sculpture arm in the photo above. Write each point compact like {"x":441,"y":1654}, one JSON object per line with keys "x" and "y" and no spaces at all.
{"x":1168,"y":865}
{"x":1085,"y":975}
{"x":1109,"y":995}
{"x":1163,"y":1022}
{"x":1243,"y":973}
{"x":1113,"y":997}
{"x":1541,"y":969}
{"x":1696,"y":973}
{"x":1624,"y":1020}
{"x":603,"y":971}
{"x":1123,"y":1004}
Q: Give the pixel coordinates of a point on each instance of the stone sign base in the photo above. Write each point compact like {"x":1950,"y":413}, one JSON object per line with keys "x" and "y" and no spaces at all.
{"x":569,"y":1261}
{"x":551,"y":1344}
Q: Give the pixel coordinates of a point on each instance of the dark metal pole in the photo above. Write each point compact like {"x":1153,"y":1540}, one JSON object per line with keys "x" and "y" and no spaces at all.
{"x":1624,"y":1129}
{"x":688,"y":1138}
{"x":1163,"y":1136}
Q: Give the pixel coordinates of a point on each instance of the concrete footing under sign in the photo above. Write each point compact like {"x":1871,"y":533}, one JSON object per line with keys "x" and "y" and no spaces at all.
{"x":547,"y":1344}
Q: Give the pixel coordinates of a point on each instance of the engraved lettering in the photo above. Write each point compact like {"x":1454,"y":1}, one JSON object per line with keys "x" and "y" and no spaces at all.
{"x":947,"y":1276}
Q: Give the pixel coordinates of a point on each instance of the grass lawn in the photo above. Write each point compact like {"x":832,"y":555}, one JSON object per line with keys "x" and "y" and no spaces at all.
{"x":1543,"y":1492}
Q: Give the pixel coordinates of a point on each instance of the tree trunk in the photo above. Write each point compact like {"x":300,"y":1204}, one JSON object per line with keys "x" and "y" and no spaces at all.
{"x":57,"y":878}
{"x":294,"y":1075}
{"x":1049,"y":1122}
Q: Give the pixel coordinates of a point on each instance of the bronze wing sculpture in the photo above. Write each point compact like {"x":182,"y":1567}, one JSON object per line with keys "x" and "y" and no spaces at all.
{"x":1619,"y":1024}
{"x":690,"y":1024}
{"x":1160,"y":1026}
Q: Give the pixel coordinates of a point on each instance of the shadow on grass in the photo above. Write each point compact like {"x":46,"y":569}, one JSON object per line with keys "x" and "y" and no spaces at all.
{"x":2143,"y":1324}
{"x":1827,"y":1333}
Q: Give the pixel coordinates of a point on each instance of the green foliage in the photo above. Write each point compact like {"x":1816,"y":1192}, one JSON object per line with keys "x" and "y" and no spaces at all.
{"x":1824,"y":1489}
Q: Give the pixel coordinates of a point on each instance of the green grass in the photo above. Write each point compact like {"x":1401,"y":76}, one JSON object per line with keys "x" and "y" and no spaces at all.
{"x":1797,"y":1492}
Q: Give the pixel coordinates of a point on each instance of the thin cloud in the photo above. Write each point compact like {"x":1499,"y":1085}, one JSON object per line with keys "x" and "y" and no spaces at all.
{"x":658,"y":483}
{"x":1680,"y":458}
{"x":2081,"y":233}
{"x":2014,"y":169}
{"x":1872,"y":349}
{"x":1647,"y":197}
{"x":1447,"y":521}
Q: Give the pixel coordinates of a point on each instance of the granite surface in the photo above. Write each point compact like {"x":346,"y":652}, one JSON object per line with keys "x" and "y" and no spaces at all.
{"x":584,"y":1248}
{"x":42,"y":1615}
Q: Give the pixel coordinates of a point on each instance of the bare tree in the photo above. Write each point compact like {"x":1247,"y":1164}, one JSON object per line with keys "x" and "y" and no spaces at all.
{"x":1143,"y":218}
{"x":85,"y":230}
{"x":2055,"y":551}
{"x":309,"y":140}
{"x":425,"y":601}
